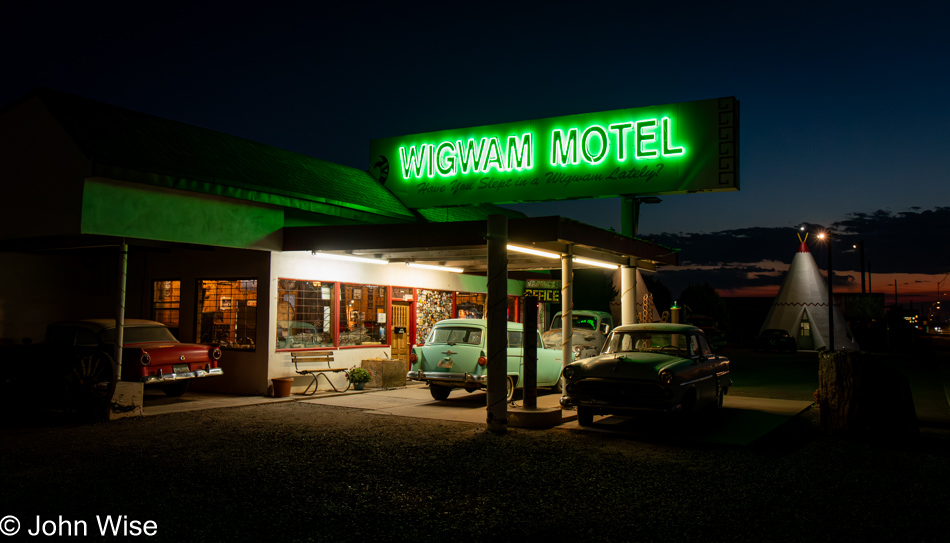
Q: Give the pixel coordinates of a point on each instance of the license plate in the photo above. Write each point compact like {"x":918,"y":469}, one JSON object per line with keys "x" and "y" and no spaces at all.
{"x":181,"y":368}
{"x":445,"y":364}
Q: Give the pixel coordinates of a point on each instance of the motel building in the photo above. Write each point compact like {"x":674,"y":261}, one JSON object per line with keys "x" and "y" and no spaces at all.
{"x":270,"y":252}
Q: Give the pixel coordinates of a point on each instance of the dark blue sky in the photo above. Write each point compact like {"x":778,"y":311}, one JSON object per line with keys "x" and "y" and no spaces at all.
{"x":844,"y":104}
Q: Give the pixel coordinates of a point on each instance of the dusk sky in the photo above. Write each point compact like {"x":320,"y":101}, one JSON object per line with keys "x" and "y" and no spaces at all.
{"x":844,"y":105}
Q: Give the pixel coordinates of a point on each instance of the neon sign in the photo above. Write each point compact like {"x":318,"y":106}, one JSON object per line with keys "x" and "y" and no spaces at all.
{"x":675,"y":148}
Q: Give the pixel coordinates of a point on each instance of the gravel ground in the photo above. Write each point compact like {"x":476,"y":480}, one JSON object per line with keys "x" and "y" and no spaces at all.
{"x":302,"y":472}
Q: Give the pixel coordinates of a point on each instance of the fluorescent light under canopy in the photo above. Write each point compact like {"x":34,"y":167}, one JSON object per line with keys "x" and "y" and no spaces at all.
{"x":350,"y":258}
{"x":434,"y":267}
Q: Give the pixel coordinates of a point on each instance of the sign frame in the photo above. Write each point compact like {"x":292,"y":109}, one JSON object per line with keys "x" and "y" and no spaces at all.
{"x":675,"y":148}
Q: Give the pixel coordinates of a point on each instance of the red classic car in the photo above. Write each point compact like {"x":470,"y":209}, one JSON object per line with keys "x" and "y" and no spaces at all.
{"x":150,"y":353}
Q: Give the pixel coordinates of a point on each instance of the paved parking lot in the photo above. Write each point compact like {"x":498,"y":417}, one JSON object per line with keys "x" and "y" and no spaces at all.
{"x":769,"y":388}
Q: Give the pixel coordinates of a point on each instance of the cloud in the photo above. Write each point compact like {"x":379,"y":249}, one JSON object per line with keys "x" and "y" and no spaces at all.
{"x":906,"y":242}
{"x":753,"y":261}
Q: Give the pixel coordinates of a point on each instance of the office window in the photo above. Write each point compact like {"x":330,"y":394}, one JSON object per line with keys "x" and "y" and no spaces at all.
{"x":166,"y":304}
{"x":304,"y":314}
{"x":363,"y":314}
{"x":227,"y":313}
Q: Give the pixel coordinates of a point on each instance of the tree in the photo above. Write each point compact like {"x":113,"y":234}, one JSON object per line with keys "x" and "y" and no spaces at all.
{"x":594,"y":290}
{"x":703,"y":300}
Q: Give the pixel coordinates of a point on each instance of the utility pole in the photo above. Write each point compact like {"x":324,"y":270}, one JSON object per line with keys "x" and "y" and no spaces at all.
{"x":860,"y":247}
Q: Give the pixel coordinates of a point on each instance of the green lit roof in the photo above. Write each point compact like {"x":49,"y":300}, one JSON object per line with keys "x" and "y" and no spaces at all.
{"x":466,"y":213}
{"x":133,"y":146}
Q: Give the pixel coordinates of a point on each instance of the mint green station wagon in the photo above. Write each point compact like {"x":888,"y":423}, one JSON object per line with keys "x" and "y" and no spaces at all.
{"x":455,"y":356}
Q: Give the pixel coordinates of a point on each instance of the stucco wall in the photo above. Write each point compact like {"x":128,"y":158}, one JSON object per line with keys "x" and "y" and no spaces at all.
{"x":37,"y":289}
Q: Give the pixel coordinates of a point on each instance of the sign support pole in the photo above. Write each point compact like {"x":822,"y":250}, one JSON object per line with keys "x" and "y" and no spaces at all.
{"x":628,"y":295}
{"x":497,"y":323}
{"x":567,"y":306}
{"x":530,"y":350}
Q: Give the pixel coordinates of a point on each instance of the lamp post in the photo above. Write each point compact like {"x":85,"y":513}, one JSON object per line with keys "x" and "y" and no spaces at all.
{"x":860,"y":247}
{"x":826,"y":236}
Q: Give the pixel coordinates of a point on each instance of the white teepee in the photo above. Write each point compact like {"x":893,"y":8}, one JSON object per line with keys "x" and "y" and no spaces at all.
{"x":801,"y":307}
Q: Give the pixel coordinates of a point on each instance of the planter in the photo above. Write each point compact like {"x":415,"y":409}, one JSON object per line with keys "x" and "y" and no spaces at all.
{"x":386,"y":373}
{"x":282,"y":386}
{"x":358,"y":386}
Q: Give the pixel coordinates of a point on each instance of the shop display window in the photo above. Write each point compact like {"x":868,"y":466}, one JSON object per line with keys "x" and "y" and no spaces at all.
{"x":432,"y":307}
{"x":304,"y":314}
{"x":166,"y":304}
{"x":227,"y":313}
{"x":363,"y":314}
{"x":470,"y":305}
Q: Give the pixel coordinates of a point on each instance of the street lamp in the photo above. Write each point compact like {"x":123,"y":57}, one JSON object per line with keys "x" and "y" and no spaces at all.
{"x":826,"y":237}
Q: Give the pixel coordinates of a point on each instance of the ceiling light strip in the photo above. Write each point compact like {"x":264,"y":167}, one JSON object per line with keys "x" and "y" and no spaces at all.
{"x":351,"y":258}
{"x":597,"y":263}
{"x":434,"y":267}
{"x":534,"y":252}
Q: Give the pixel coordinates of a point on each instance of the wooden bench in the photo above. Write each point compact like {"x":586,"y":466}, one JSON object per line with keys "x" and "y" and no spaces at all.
{"x":319,"y":357}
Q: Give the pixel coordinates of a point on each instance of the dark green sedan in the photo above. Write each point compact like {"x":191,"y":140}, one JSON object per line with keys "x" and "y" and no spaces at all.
{"x":647,"y":367}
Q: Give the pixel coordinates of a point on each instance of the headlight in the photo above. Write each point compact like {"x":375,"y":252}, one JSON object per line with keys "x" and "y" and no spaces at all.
{"x":569,"y":372}
{"x":145,"y":359}
{"x":666,"y":377}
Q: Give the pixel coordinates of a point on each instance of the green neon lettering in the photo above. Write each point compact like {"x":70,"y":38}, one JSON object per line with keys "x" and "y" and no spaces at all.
{"x":493,"y":157}
{"x":585,"y":144}
{"x":430,"y":171}
{"x":470,"y":157}
{"x":644,"y":138}
{"x":620,"y":128}
{"x":414,"y":163}
{"x":666,"y":134}
{"x":563,"y":152}
{"x":520,"y":160}
{"x":445,"y":161}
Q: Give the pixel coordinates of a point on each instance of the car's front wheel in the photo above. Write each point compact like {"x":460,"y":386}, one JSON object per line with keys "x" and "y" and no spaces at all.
{"x":510,"y":392}
{"x":439,"y":392}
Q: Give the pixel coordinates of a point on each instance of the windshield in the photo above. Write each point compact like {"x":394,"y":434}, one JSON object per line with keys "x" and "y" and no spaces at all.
{"x":578,"y":322}
{"x":452,"y":335}
{"x":650,"y":342}
{"x":139,"y":334}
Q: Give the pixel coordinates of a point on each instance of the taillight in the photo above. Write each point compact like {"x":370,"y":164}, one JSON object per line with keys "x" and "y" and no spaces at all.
{"x":413,"y":358}
{"x":145,"y":358}
{"x":482,"y":360}
{"x":216,"y":353}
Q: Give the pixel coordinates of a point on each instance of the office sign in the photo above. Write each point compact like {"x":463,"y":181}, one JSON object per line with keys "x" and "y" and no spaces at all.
{"x":544,"y":295}
{"x":668,"y":149}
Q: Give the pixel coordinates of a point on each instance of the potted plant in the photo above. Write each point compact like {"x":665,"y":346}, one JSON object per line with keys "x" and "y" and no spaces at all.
{"x":359,"y":377}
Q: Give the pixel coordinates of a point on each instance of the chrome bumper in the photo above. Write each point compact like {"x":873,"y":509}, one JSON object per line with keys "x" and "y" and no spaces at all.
{"x":166,"y":377}
{"x":456,"y":379}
